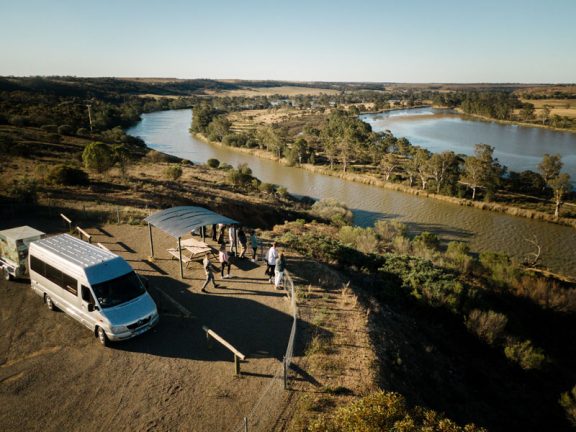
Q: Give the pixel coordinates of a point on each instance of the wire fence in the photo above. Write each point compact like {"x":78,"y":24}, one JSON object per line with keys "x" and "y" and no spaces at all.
{"x":264,"y":415}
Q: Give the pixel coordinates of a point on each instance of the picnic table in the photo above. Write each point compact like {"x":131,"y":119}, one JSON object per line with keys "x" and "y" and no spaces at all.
{"x":197,"y":249}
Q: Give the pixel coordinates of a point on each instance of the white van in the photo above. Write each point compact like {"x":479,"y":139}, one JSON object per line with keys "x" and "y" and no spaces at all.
{"x":92,"y":285}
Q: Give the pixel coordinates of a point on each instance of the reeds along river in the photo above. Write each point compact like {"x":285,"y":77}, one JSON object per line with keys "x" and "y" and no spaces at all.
{"x":167,"y":131}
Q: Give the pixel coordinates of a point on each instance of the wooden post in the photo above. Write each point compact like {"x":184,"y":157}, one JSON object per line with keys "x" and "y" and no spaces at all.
{"x":245,"y":424}
{"x":68,"y":221}
{"x":284,"y":364}
{"x":151,"y":241}
{"x":180,"y":259}
{"x":82,"y":232}
{"x":236,"y":365}
{"x":118,"y":215}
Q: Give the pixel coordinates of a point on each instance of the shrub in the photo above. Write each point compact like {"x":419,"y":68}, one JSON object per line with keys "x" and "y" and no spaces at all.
{"x":173,"y":172}
{"x":435,"y":286}
{"x":242,"y":176}
{"x":332,"y":210}
{"x":362,"y":239}
{"x":524,"y":354}
{"x":282,"y":191}
{"x":488,"y":326}
{"x":226,"y":167}
{"x":266,"y":188}
{"x":388,"y":230}
{"x":24,"y":191}
{"x":500,"y":268}
{"x":547,"y":293}
{"x":568,"y":402}
{"x":67,"y":175}
{"x":213,"y":163}
{"x":156,"y":157}
{"x":401,"y":244}
{"x":385,"y":411}
{"x":98,"y":157}
{"x":426,"y":240}
{"x":65,"y":130}
{"x":458,"y":256}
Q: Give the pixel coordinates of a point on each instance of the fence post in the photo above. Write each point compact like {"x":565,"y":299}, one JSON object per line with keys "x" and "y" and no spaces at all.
{"x":284,"y":363}
{"x":236,"y":365}
{"x":245,"y":424}
{"x":118,"y":215}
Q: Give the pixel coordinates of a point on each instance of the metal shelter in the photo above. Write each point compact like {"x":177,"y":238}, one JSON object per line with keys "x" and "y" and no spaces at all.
{"x":178,"y":221}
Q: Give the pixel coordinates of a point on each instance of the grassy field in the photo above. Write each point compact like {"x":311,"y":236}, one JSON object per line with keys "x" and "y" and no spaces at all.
{"x":562,"y":107}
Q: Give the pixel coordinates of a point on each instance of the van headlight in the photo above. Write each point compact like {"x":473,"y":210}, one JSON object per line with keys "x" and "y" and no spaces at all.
{"x":118,"y":329}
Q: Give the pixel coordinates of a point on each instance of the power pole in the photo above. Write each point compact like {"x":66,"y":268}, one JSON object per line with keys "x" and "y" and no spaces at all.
{"x":90,"y":115}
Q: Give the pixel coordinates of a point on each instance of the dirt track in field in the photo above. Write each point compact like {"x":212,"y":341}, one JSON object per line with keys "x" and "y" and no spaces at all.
{"x":55,"y":376}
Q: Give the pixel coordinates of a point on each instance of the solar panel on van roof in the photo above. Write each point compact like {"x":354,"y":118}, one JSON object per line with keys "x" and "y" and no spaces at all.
{"x":75,"y":250}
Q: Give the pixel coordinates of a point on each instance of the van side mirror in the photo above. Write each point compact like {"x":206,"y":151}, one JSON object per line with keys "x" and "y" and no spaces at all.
{"x":90,"y":307}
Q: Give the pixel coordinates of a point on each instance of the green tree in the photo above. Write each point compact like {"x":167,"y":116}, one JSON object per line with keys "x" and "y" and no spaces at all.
{"x":482,"y":170}
{"x":420,"y":160}
{"x":560,"y":186}
{"x":550,"y":166}
{"x":389,"y":164}
{"x":98,"y":157}
{"x":443,"y":168}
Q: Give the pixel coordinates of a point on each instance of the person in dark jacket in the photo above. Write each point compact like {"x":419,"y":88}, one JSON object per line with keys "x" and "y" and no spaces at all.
{"x":279,"y":270}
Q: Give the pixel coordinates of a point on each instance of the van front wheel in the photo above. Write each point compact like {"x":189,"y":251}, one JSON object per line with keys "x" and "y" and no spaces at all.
{"x":102,"y":336}
{"x":49,"y":303}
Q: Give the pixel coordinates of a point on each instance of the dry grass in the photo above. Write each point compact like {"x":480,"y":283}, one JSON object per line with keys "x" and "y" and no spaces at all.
{"x":561,"y":107}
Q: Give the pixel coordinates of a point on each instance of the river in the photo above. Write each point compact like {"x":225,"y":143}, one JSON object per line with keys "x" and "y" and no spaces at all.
{"x":167,"y":131}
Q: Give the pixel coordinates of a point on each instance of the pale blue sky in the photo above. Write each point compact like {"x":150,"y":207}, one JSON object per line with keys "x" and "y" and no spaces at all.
{"x":401,"y":41}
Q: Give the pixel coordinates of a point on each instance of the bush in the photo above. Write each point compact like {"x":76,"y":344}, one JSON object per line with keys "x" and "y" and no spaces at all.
{"x":67,"y":175}
{"x":213,"y":163}
{"x":362,"y":239}
{"x":98,"y":157}
{"x":156,"y":157}
{"x":282,"y":191}
{"x":332,"y":210}
{"x":385,"y":411}
{"x":267,"y":188}
{"x":434,"y":286}
{"x":500,"y":268}
{"x":524,"y":354}
{"x":568,"y":402}
{"x":65,"y":130}
{"x":386,"y":231}
{"x":24,"y":191}
{"x":488,"y":326}
{"x":173,"y":172}
{"x":458,"y":256}
{"x":401,"y":244}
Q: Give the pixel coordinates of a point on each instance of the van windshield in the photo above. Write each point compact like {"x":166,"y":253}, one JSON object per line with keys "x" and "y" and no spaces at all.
{"x":117,"y":291}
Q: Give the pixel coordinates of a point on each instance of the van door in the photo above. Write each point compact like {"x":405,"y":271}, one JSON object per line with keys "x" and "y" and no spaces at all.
{"x":88,"y":313}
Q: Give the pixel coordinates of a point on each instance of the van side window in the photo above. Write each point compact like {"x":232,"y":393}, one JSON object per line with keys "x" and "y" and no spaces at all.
{"x":69,"y":284}
{"x":54,"y":275}
{"x":87,"y":295}
{"x":37,"y":265}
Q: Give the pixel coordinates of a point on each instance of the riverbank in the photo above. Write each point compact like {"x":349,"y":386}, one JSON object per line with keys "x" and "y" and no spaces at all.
{"x":374,"y":181}
{"x":509,"y":122}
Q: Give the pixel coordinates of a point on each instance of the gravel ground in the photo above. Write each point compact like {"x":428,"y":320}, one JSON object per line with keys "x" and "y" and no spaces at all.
{"x":54,"y":375}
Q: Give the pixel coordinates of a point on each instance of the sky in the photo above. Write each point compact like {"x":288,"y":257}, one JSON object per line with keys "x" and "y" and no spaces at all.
{"x":514,"y":41}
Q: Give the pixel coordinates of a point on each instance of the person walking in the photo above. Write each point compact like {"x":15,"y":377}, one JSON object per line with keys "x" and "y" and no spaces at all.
{"x":271,"y":258}
{"x":214,"y":232}
{"x":209,"y":270}
{"x":242,"y":239}
{"x":232,"y":237}
{"x":255,"y":243}
{"x":279,"y":271}
{"x":224,"y":260}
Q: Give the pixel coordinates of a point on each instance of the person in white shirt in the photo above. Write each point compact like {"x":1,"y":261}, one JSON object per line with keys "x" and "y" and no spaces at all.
{"x":271,"y":262}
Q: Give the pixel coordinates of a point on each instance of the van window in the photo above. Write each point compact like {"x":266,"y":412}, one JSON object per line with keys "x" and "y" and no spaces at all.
{"x":87,"y":295}
{"x":117,"y":291}
{"x":54,"y":275}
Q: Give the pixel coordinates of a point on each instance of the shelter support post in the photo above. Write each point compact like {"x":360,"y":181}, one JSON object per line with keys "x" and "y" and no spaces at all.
{"x":151,"y":241}
{"x":180,"y":258}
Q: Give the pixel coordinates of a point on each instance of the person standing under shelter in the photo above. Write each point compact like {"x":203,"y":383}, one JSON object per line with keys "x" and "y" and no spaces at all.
{"x":242,"y":239}
{"x":255,"y":243}
{"x":271,"y":258}
{"x":209,"y":270}
{"x":224,"y":260}
{"x":232,"y":236}
{"x":279,"y":271}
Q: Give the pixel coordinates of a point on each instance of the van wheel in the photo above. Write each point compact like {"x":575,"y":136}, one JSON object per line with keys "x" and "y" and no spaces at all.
{"x":102,"y":336}
{"x":50,"y":304}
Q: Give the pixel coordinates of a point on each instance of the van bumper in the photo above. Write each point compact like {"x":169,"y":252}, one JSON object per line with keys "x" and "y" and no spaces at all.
{"x":133,"y":333}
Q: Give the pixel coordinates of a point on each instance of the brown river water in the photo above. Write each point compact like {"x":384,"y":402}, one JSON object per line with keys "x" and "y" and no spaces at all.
{"x":167,"y":131}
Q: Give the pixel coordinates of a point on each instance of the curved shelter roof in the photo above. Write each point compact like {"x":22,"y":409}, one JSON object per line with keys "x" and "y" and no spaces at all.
{"x":178,"y":221}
